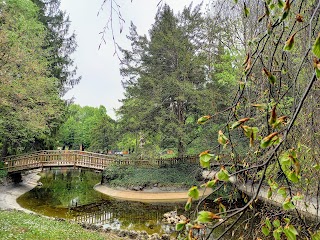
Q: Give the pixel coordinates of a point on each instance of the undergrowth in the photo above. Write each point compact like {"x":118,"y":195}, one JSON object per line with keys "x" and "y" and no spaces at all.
{"x":182,"y":175}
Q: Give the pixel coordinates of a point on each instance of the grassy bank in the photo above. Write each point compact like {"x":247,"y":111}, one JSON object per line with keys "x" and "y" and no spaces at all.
{"x":179,"y":176}
{"x":19,"y":225}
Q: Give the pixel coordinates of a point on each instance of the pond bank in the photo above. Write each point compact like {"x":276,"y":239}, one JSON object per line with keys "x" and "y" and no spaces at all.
{"x":147,"y":196}
{"x":9,"y":192}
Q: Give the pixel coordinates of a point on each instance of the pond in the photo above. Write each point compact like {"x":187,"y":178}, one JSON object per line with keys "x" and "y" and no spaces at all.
{"x":69,"y":194}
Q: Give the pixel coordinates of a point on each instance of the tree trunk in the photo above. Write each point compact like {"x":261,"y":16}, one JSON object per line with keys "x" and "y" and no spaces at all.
{"x":181,"y":148}
{"x":181,"y":120}
{"x":5,"y":147}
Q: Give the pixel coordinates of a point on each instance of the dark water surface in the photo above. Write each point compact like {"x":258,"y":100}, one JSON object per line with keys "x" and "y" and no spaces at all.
{"x":69,"y":194}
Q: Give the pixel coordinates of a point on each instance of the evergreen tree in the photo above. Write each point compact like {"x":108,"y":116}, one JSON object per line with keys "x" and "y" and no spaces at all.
{"x":166,"y":85}
{"x":59,"y":42}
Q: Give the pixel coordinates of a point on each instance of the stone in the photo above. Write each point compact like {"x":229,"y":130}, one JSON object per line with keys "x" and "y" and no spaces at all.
{"x":154,"y":236}
{"x":132,"y":234}
{"x":165,"y":237}
{"x":123,"y":233}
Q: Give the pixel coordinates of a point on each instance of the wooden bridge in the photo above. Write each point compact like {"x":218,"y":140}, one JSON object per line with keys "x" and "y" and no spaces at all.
{"x":80,"y":159}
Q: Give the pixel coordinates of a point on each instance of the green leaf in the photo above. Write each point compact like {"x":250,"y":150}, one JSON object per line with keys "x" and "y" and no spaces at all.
{"x":268,"y":223}
{"x":205,"y":158}
{"x":223,"y":175}
{"x":280,"y":3}
{"x":211,"y":183}
{"x":250,"y":131}
{"x":187,"y":207}
{"x":180,"y":226}
{"x":204,"y":119}
{"x":242,"y":85}
{"x":286,"y":10}
{"x":193,"y":192}
{"x":273,"y":184}
{"x":318,"y":73}
{"x":265,"y":231}
{"x":290,"y":232}
{"x":293,"y":177}
{"x":282,"y":191}
{"x":316,"y":236}
{"x":317,"y":166}
{"x":285,"y":160}
{"x":289,"y":43}
{"x":222,"y":209}
{"x":276,"y":223}
{"x":238,"y":123}
{"x":269,"y":140}
{"x":272,"y":79}
{"x":222,"y":139}
{"x":287,"y":220}
{"x":288,"y":205}
{"x":206,"y":217}
{"x":277,"y":234}
{"x":316,"y":47}
{"x":269,"y":194}
{"x":297,"y":197}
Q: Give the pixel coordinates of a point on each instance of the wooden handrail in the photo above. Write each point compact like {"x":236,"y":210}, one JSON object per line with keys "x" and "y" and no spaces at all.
{"x":76,"y":158}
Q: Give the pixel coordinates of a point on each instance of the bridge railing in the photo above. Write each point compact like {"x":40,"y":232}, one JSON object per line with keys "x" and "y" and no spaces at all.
{"x":76,"y":158}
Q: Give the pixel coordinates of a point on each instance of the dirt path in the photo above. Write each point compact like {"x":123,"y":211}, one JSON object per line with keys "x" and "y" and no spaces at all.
{"x":141,"y":196}
{"x":10,"y":192}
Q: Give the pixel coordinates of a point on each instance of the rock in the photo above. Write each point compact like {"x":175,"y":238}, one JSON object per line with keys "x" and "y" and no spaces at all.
{"x":183,"y":218}
{"x":136,"y":188}
{"x":165,"y":237}
{"x":143,"y":235}
{"x":154,"y":236}
{"x":123,"y":233}
{"x":108,"y":229}
{"x":132,"y":234}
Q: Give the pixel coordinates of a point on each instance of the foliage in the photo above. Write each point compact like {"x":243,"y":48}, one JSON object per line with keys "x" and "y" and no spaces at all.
{"x":87,"y":126}
{"x":176,"y":176}
{"x":30,"y":106}
{"x":3,"y":173}
{"x":59,"y":42}
{"x":170,"y":79}
{"x":278,"y":77}
{"x":19,"y":225}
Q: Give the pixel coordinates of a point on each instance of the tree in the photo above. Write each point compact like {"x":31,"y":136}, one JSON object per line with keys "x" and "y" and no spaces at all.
{"x":89,"y":127}
{"x":59,"y":42}
{"x":270,"y":115}
{"x":166,"y":86}
{"x":29,"y":102}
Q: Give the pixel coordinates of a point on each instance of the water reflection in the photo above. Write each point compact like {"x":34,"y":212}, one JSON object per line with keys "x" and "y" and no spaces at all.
{"x":69,"y":194}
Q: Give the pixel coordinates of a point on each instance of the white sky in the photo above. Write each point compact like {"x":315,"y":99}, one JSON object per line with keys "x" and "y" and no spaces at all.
{"x":101,"y":80}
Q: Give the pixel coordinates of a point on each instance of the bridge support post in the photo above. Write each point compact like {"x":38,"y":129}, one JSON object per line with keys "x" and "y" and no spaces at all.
{"x":102,"y":179}
{"x":15,"y":177}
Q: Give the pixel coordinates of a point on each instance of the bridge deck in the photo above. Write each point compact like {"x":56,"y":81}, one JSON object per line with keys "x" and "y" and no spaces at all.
{"x":74,"y":158}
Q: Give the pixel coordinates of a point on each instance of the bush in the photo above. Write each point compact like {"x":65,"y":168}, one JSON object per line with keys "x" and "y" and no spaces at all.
{"x":3,"y":173}
{"x":182,"y":175}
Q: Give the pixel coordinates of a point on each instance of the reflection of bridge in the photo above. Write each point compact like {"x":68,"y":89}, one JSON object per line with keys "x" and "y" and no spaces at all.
{"x":81,"y":159}
{"x":105,"y":216}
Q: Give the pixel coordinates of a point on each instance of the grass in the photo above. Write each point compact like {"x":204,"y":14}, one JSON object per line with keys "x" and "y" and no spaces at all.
{"x":183,"y":176}
{"x":20,"y":225}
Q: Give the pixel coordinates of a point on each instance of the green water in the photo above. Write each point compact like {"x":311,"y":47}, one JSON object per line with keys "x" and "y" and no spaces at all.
{"x":63,"y":189}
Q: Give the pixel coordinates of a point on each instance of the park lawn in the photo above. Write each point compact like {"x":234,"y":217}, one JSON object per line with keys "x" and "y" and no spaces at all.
{"x":19,"y":225}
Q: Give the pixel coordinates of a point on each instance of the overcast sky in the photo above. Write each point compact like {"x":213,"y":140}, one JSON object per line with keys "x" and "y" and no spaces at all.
{"x":99,"y":68}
